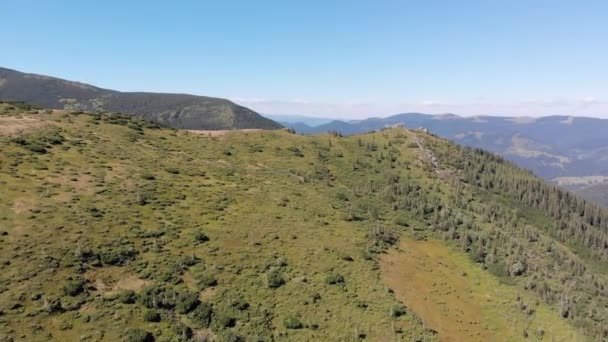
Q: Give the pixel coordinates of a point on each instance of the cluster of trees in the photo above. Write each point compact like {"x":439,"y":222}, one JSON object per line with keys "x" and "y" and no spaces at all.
{"x":573,"y":218}
{"x":521,"y":227}
{"x":525,"y":231}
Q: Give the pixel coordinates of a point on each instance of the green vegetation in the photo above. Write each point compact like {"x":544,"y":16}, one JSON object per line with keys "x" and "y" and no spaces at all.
{"x":292,"y":323}
{"x":278,"y":240}
{"x":175,"y":110}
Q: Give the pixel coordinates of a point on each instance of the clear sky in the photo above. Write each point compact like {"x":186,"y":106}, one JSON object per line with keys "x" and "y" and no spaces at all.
{"x":327,"y":58}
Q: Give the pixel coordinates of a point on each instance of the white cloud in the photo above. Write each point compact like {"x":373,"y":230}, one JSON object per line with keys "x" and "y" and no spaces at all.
{"x":589,"y":101}
{"x":429,"y":103}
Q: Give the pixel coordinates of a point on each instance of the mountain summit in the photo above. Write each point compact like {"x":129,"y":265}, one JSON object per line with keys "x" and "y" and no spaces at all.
{"x":176,"y":110}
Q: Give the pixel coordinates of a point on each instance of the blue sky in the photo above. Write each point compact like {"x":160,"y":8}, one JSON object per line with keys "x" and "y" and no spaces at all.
{"x":327,"y":58}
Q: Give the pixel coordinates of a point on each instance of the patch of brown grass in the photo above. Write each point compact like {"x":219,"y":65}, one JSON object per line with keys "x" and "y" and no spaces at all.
{"x":82,"y":184}
{"x":114,"y":279}
{"x":220,"y":133}
{"x":18,"y":125}
{"x":425,"y":278}
{"x":23,"y":205}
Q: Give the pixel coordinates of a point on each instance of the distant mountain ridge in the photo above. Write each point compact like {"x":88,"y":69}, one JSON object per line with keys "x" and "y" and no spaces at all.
{"x":552,"y":146}
{"x":296,"y":119}
{"x":181,"y":111}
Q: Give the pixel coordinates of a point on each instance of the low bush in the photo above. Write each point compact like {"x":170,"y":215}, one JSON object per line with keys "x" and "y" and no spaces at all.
{"x":151,"y":315}
{"x":225,"y":321}
{"x":74,"y":287}
{"x":296,"y":151}
{"x":202,"y":315}
{"x":401,"y":221}
{"x":148,"y":176}
{"x":335,"y":279}
{"x":274,"y":279}
{"x":117,"y":255}
{"x":205,"y":281}
{"x":128,"y":297}
{"x":186,"y":302}
{"x":200,"y":237}
{"x":398,"y":310}
{"x":292,"y":323}
{"x":138,"y":335}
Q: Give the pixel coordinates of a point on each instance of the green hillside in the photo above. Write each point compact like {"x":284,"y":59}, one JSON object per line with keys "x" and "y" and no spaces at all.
{"x":176,"y":110}
{"x":114,"y":229}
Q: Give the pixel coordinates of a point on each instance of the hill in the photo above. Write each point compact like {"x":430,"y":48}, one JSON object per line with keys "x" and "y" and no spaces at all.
{"x":552,"y":147}
{"x":267,"y":235}
{"x":176,"y":110}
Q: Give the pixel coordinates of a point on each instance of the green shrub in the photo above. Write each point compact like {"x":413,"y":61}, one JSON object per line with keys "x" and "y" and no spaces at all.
{"x":154,"y":296}
{"x":342,"y":196}
{"x":53,"y":306}
{"x":401,"y":221}
{"x":138,"y":335}
{"x":202,"y":315}
{"x":151,"y":315}
{"x":182,"y":331}
{"x":335,"y":279}
{"x":292,"y":323}
{"x":230,"y":336}
{"x":74,"y":287}
{"x":189,"y":261}
{"x":54,"y":139}
{"x":206,"y":280}
{"x":225,"y":321}
{"x":200,"y":237}
{"x":274,"y":279}
{"x":186,"y":302}
{"x":34,"y":147}
{"x":117,"y":255}
{"x":148,"y":176}
{"x":296,"y":151}
{"x":128,"y":297}
{"x":398,"y":310}
{"x":239,"y":304}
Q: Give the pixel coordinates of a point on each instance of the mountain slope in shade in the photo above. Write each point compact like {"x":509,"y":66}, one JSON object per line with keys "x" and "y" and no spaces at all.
{"x":176,"y":110}
{"x":552,"y":146}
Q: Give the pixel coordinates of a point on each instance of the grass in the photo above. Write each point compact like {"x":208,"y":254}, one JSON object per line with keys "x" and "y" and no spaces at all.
{"x":116,"y":204}
{"x":454,"y":296}
{"x":121,"y":229}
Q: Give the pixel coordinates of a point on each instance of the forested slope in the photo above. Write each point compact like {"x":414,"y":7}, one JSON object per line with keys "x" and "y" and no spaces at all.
{"x":176,"y":110}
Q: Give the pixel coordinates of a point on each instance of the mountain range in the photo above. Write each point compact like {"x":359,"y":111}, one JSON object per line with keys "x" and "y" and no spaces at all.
{"x":553,"y":147}
{"x":176,"y":110}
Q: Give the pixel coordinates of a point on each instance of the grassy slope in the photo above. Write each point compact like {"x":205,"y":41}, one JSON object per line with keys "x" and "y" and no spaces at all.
{"x":455,"y":296}
{"x":254,"y":206}
{"x":270,"y":202}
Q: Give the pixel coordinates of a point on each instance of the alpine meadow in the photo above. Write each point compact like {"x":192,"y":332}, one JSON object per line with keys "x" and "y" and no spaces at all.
{"x":272,"y":235}
{"x":303,"y":171}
